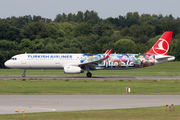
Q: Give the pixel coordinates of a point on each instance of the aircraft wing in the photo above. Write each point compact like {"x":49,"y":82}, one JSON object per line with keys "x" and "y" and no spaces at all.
{"x":96,"y":62}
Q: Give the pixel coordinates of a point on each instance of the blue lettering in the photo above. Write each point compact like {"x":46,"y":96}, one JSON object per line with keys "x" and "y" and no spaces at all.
{"x":50,"y":56}
{"x":29,"y":56}
{"x":40,"y":56}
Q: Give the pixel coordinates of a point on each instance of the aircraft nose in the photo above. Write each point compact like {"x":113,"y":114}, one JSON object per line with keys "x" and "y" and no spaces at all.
{"x":7,"y":64}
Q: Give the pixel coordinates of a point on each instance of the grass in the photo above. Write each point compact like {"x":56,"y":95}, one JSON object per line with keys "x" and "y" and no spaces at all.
{"x":150,"y":113}
{"x":165,"y":69}
{"x":87,"y":87}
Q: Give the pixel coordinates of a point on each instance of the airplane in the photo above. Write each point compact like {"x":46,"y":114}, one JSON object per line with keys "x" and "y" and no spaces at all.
{"x":78,"y":63}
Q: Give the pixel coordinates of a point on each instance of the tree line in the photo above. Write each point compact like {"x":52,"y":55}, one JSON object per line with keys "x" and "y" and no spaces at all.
{"x":85,"y":33}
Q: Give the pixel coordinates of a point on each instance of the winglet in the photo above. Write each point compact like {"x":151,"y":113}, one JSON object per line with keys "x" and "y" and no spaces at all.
{"x":109,"y":53}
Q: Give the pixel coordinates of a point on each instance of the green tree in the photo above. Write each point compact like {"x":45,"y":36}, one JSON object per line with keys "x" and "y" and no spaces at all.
{"x":82,"y":29}
{"x":125,"y":46}
{"x":132,"y":18}
{"x":87,"y":16}
{"x":68,"y":28}
{"x":51,"y":48}
{"x":93,"y":19}
{"x":152,"y":41}
{"x":79,"y":17}
{"x":55,"y":30}
{"x":102,"y":29}
{"x":39,"y":48}
{"x":25,"y":43}
{"x":35,"y":29}
{"x":75,"y":43}
{"x":1,"y":60}
{"x":142,"y":48}
{"x":8,"y":32}
{"x":70,"y":17}
{"x":145,"y":18}
{"x":177,"y":50}
{"x":71,"y":50}
{"x":64,"y":17}
{"x":7,"y":45}
{"x":58,"y":18}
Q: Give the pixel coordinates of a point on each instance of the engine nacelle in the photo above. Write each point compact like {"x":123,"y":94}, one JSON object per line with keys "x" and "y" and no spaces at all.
{"x":72,"y":70}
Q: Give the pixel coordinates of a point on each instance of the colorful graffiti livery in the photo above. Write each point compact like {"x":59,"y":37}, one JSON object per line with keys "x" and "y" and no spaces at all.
{"x":120,"y":60}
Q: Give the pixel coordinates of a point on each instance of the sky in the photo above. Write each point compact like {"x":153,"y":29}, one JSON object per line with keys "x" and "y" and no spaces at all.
{"x":104,"y":8}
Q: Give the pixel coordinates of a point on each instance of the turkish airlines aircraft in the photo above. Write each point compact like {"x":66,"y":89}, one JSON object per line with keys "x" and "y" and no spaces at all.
{"x":78,"y":63}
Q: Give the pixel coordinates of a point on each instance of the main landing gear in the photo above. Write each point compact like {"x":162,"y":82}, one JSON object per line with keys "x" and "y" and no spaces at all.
{"x":89,"y":74}
{"x":24,"y":73}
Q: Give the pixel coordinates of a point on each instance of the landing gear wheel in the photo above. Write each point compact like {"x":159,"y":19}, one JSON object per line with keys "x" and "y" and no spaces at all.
{"x":89,"y":74}
{"x":23,"y":75}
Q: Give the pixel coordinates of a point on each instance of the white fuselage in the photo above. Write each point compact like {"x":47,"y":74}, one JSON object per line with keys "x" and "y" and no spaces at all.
{"x":59,"y":61}
{"x":42,"y":61}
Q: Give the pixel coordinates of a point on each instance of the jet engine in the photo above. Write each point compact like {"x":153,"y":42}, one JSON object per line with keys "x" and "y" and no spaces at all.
{"x":72,"y":70}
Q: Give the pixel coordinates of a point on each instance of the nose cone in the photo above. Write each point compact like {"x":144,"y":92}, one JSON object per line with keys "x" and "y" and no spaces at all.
{"x":7,"y":64}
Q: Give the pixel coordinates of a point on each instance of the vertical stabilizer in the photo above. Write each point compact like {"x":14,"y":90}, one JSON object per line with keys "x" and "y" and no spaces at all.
{"x":161,"y":47}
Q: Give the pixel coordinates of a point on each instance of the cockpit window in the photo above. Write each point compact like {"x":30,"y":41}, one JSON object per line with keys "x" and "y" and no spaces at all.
{"x":13,"y":59}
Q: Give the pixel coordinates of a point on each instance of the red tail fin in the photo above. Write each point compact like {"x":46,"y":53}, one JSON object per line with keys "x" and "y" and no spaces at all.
{"x":161,"y":47}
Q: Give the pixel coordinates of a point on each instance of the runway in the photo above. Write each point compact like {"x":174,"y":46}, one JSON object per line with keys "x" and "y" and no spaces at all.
{"x":96,"y":77}
{"x":58,"y":103}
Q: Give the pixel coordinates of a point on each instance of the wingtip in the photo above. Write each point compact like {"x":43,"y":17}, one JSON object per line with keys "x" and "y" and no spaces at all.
{"x":109,"y":53}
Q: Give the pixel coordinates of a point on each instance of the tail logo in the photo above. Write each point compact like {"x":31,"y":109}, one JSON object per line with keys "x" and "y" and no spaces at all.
{"x":161,"y":47}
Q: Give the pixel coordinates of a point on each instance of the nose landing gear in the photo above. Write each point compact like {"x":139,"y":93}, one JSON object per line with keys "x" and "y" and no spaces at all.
{"x":24,"y":73}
